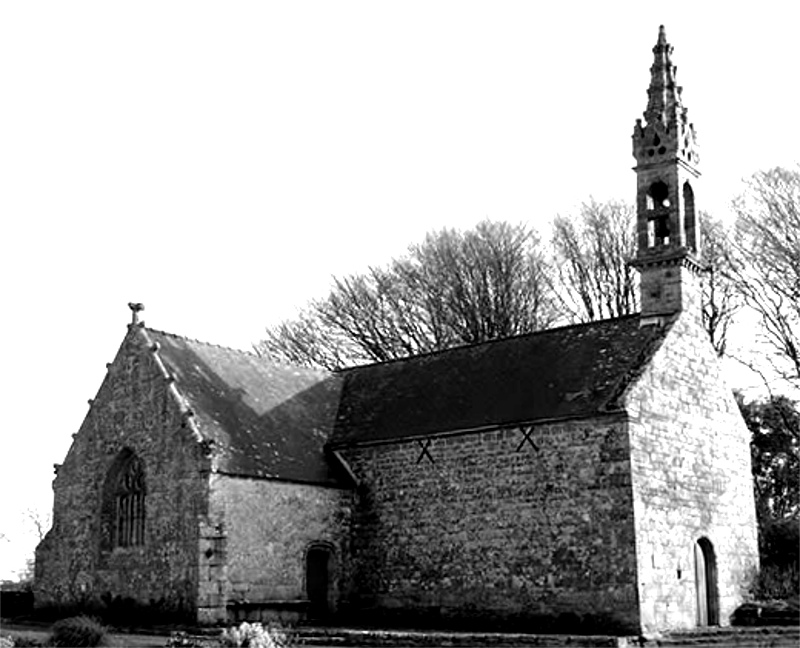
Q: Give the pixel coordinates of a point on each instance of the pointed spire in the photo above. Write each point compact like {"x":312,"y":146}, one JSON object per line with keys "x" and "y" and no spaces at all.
{"x":662,"y":36}
{"x":666,"y":130}
{"x":664,"y":104}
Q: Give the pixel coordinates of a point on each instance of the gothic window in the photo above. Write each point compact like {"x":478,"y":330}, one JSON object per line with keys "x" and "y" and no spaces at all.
{"x":124,"y":502}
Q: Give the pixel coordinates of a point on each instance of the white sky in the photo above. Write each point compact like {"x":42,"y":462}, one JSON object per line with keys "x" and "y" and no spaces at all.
{"x":220,"y":161}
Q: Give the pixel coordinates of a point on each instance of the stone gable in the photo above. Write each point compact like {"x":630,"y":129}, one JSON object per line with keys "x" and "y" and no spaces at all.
{"x":132,"y":411}
{"x":690,"y":464}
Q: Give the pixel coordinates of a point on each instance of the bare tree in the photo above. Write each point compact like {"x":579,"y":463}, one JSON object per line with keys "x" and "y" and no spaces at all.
{"x":594,"y":278}
{"x":766,"y":262}
{"x":454,"y":288}
{"x":40,"y":522}
{"x":721,"y":300}
{"x":591,"y":257}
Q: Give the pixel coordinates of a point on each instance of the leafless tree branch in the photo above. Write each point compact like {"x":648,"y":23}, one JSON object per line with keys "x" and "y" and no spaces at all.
{"x":765,"y":262}
{"x":453,"y":288}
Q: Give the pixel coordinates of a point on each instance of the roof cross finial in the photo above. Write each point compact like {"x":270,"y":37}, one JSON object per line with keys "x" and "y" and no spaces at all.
{"x":136,"y":308}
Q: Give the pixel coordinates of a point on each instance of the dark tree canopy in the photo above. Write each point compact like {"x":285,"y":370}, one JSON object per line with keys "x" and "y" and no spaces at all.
{"x":775,"y":449}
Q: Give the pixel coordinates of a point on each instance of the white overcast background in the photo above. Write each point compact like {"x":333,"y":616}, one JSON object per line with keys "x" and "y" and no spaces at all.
{"x":221,"y":161}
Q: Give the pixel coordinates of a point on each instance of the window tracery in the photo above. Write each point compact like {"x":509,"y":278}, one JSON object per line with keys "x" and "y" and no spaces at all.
{"x":123,"y":511}
{"x":129,"y":499}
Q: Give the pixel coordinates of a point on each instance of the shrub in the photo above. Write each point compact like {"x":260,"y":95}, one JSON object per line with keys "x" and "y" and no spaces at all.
{"x":180,"y":639}
{"x":254,"y":635}
{"x":776,"y":583}
{"x":22,"y":641}
{"x":78,"y":631}
{"x":779,"y":542}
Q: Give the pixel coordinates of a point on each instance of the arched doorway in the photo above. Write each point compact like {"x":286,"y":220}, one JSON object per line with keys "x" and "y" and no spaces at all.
{"x":318,"y":580}
{"x":705,"y":576}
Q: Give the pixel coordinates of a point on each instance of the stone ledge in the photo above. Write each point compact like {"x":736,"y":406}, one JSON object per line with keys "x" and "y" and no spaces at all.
{"x":309,"y":636}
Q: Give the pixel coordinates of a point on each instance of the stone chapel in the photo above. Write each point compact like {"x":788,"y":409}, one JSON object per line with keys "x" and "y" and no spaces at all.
{"x":599,"y":470}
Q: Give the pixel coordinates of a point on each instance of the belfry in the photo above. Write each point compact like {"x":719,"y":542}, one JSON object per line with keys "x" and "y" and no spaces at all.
{"x":667,"y":159}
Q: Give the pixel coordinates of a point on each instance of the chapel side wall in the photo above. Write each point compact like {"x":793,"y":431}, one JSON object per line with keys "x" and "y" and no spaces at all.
{"x":268,"y":526}
{"x":74,"y":566}
{"x":496,"y":529}
{"x":692,"y":478}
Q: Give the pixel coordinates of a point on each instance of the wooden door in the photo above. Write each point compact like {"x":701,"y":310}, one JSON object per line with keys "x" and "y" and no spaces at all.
{"x":701,"y":585}
{"x":318,"y":581}
{"x":705,"y":574}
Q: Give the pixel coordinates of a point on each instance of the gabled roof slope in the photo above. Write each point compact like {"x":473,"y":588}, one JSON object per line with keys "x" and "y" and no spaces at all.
{"x":266,"y":420}
{"x":563,"y":372}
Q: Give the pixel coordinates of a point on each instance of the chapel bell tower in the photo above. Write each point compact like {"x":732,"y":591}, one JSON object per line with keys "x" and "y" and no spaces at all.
{"x":668,"y":236}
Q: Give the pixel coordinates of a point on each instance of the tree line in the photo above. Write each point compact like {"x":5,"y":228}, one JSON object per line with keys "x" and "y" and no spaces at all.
{"x":500,"y":279}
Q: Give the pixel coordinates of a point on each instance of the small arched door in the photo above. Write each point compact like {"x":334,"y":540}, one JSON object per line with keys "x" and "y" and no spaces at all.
{"x":318,"y":569}
{"x":705,"y":575}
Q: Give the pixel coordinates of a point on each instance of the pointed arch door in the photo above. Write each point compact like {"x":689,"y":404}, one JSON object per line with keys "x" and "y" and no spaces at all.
{"x":705,"y":576}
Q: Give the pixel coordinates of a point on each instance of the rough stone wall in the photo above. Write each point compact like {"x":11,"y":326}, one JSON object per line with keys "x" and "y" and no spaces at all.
{"x":667,"y":288}
{"x":494,"y":525}
{"x":74,"y":564}
{"x":691,"y":479}
{"x":268,"y":527}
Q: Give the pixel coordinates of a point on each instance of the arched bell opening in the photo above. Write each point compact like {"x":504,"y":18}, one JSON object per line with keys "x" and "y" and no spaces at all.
{"x":658,"y":225}
{"x":690,"y":218}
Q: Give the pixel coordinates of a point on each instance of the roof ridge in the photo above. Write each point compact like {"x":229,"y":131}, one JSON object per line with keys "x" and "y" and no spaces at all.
{"x":472,"y":345}
{"x":203,"y":342}
{"x":249,"y":354}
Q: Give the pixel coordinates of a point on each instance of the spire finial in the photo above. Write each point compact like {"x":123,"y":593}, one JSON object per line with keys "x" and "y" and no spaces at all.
{"x":136,"y":308}
{"x":664,"y":104}
{"x":662,"y":36}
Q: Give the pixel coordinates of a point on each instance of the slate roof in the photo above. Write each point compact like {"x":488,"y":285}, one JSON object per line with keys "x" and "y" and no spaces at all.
{"x":266,"y":420}
{"x":274,"y":421}
{"x":562,"y":372}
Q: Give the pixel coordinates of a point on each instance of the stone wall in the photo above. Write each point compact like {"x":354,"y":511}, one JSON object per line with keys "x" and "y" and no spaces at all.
{"x":497,"y":526}
{"x":268,"y":528}
{"x":75,"y":563}
{"x":691,"y":479}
